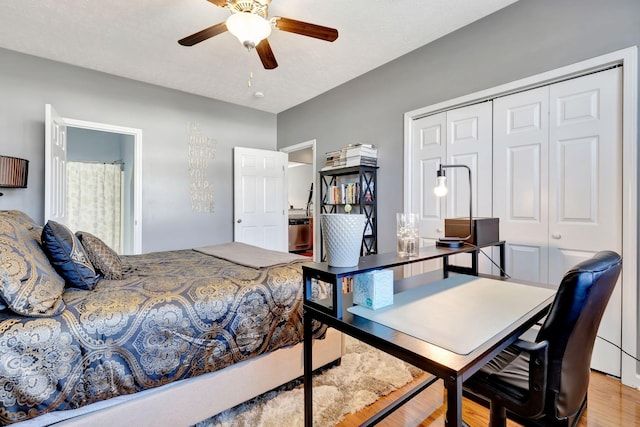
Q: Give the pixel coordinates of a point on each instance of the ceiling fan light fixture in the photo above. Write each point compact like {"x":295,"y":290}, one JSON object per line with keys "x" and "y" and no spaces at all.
{"x":249,"y":28}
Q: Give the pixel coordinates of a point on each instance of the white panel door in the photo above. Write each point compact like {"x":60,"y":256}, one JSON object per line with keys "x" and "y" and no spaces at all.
{"x":520,"y":181}
{"x":260,"y":198}
{"x":557,"y":185}
{"x":585,"y":168}
{"x":585,"y":191}
{"x":55,"y":164}
{"x":469,"y":142}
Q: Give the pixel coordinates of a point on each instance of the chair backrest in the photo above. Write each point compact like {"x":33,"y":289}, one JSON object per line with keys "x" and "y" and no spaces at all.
{"x":571,"y":328}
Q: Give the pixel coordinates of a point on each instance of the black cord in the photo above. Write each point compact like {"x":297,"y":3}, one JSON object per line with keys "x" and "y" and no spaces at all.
{"x":619,"y":348}
{"x":508,"y":277}
{"x":504,"y":273}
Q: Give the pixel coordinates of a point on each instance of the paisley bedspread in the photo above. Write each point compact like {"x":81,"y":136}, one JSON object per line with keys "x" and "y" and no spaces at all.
{"x":175,"y":315}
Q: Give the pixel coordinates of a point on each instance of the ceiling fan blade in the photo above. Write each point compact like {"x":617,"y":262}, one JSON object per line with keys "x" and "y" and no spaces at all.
{"x":266,"y":55}
{"x":306,"y":29}
{"x":219,"y":3}
{"x":203,"y":35}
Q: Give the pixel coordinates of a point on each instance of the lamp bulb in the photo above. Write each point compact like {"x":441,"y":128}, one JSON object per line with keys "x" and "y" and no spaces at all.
{"x":441,"y":186}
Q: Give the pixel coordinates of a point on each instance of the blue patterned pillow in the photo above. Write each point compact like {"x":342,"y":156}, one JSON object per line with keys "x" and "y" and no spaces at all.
{"x":104,"y":259}
{"x":67,"y":256}
{"x":23,"y":219}
{"x":28,"y":284}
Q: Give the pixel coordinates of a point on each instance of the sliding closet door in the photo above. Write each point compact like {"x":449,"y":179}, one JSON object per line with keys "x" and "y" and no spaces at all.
{"x":585,"y":200}
{"x":520,"y":182}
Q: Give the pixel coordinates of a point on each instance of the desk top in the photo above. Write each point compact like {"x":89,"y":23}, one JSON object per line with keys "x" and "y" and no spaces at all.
{"x":460,"y":313}
{"x":391,"y":259}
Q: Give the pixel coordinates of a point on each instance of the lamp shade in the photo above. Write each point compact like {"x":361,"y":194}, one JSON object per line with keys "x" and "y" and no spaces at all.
{"x":13,"y":172}
{"x":249,"y":28}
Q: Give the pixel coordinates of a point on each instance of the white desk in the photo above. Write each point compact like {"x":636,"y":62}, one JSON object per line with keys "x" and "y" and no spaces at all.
{"x":426,"y":312}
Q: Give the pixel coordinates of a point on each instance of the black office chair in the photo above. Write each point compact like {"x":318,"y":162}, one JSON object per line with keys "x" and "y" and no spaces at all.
{"x":545,"y":383}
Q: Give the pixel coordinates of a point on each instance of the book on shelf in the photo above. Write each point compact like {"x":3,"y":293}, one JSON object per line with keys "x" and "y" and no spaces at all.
{"x":361,"y":161}
{"x":335,"y":158}
{"x":347,"y":284}
{"x":352,"y":155}
{"x":329,"y":167}
{"x":344,"y":193}
{"x":361,"y":150}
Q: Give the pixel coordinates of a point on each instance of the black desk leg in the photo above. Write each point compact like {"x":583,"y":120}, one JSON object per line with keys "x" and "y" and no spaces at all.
{"x":503,"y":271}
{"x":474,"y":262}
{"x":445,"y":266}
{"x":454,"y":402}
{"x":308,"y":370}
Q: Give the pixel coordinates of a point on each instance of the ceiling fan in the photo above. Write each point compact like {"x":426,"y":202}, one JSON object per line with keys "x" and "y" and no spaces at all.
{"x":249,"y":23}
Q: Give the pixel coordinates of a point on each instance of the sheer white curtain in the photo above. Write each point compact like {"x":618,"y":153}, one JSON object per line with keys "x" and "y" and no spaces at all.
{"x":94,"y":200}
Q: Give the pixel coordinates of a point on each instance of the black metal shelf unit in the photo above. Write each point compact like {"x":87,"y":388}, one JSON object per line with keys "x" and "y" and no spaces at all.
{"x":354,"y":185}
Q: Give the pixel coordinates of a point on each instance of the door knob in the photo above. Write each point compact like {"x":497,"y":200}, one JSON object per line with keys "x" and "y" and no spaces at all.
{"x":239,"y":221}
{"x":556,"y":236}
{"x":439,"y":230}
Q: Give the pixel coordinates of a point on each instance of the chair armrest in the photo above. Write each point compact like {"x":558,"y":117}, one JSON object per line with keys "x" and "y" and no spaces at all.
{"x":527,"y":403}
{"x":538,"y":368}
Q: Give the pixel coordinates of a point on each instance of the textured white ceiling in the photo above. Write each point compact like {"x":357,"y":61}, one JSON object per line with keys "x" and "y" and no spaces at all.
{"x":137,"y":39}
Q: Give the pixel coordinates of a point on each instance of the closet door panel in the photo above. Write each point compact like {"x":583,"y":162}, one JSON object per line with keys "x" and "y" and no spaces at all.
{"x":520,"y":182}
{"x":586,"y":199}
{"x":469,"y":142}
{"x":527,"y":261}
{"x":428,"y":146}
{"x":585,"y":166}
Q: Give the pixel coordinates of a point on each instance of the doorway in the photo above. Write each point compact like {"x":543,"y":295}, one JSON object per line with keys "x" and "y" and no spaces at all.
{"x":301,"y":182}
{"x":71,"y":140}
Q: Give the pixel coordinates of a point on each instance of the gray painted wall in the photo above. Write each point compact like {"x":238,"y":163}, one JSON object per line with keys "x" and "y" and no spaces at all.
{"x":93,"y":145}
{"x":526,"y":38}
{"x":28,"y":83}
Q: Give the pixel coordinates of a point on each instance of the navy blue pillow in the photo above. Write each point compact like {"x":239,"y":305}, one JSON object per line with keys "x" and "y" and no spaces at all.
{"x":66,"y":254}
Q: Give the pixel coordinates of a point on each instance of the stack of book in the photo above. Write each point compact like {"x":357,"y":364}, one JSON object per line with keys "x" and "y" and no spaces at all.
{"x":361,"y":155}
{"x":352,"y":155}
{"x":335,"y":159}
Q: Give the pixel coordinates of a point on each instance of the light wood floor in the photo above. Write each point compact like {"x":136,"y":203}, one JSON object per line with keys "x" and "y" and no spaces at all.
{"x":610,"y":404}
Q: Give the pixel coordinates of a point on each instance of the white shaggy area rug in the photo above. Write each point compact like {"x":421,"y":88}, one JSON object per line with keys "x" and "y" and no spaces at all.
{"x":364,"y":376}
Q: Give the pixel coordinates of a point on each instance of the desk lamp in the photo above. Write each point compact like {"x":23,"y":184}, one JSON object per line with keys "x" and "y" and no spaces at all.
{"x":441,"y":190}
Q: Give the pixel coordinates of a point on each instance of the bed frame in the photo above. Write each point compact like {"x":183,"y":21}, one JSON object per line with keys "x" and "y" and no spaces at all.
{"x":189,"y":401}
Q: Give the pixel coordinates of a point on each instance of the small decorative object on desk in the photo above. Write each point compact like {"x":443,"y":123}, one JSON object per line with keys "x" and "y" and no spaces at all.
{"x":373,"y":289}
{"x":342,"y":235}
{"x":408,"y":234}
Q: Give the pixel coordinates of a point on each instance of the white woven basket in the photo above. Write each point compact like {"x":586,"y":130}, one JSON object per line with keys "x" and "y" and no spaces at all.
{"x":342,"y":235}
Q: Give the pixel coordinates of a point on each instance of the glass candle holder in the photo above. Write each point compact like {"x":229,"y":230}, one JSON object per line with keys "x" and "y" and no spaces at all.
{"x":408,"y":234}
